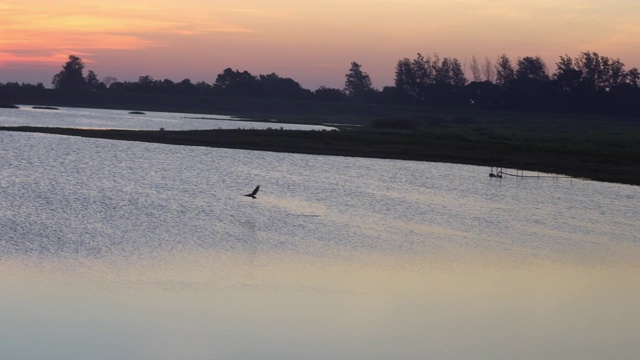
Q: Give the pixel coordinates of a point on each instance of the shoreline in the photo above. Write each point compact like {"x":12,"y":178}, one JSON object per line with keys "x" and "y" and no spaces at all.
{"x":398,"y":145}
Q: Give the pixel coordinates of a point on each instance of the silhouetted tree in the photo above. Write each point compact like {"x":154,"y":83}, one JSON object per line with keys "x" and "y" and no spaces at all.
{"x":488,"y":70}
{"x":357,"y":82}
{"x":458,"y":78}
{"x":414,"y":77}
{"x":600,"y":73}
{"x":449,"y":80}
{"x":504,"y":71}
{"x":405,"y":80}
{"x":616,"y":75}
{"x":424,"y":76}
{"x":186,"y":87}
{"x":146,"y":83}
{"x":475,"y":69}
{"x":593,"y":72}
{"x":429,"y":80}
{"x":441,"y":70}
{"x":235,"y":83}
{"x":633,"y":77}
{"x":567,"y":76}
{"x":275,"y":86}
{"x":92,"y":81}
{"x":166,"y":86}
{"x":204,"y":88}
{"x":108,"y":80}
{"x":71,"y":76}
{"x":591,"y":66}
{"x":531,"y":68}
{"x":591,"y":83}
{"x":530,"y":85}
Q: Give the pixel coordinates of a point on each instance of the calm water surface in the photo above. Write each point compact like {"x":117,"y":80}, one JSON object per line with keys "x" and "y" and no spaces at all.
{"x":26,"y":115}
{"x":121,"y":250}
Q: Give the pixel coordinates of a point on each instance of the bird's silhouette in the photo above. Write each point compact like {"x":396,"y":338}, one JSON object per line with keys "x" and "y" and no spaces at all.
{"x":255,"y":191}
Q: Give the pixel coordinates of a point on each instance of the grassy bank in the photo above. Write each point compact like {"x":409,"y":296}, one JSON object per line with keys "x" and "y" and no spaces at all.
{"x":598,"y":149}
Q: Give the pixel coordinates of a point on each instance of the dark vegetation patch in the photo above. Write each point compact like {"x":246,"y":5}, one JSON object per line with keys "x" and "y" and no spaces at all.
{"x":45,"y":108}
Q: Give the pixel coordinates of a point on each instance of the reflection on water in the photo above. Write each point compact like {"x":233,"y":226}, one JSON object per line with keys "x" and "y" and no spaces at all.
{"x":123,"y":250}
{"x":120,"y":119}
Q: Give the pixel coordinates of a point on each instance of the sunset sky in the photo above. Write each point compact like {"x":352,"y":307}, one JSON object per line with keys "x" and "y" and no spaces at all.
{"x":311,"y":41}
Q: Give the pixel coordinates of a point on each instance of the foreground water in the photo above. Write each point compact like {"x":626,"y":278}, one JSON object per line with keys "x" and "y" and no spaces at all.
{"x":120,"y":250}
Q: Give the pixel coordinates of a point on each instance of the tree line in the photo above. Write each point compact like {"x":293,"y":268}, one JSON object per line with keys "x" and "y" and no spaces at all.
{"x":588,"y":83}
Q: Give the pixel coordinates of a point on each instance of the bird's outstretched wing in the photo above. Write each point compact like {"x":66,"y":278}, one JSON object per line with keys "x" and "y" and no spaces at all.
{"x":255,"y":191}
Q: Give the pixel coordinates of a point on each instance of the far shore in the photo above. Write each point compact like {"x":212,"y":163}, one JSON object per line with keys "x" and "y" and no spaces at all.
{"x":403,"y":145}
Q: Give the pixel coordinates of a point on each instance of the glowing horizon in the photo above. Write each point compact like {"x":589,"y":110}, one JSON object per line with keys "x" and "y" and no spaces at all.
{"x":312,"y":42}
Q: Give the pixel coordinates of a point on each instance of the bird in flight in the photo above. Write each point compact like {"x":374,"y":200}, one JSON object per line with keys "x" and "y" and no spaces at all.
{"x":255,"y":191}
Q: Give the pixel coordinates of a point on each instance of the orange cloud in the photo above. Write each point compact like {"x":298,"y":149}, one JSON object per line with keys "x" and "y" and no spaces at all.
{"x":7,"y":58}
{"x":73,"y":27}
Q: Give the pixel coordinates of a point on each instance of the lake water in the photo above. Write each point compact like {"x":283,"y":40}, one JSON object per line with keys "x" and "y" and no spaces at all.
{"x":27,"y":115}
{"x":123,"y":250}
